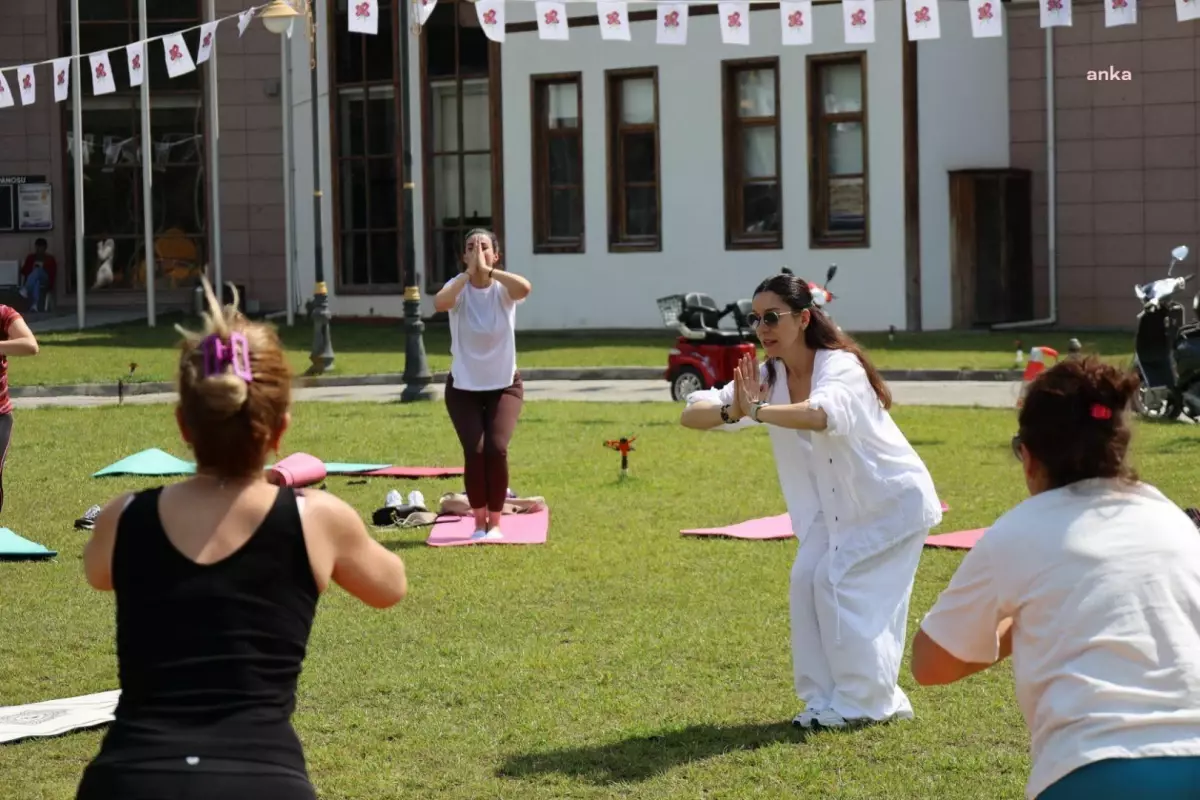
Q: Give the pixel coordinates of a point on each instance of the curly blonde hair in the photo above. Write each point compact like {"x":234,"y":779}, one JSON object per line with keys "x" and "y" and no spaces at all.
{"x":232,"y":422}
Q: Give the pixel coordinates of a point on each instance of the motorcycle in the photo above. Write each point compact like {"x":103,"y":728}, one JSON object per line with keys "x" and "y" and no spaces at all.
{"x":1166,"y":350}
{"x":705,"y":355}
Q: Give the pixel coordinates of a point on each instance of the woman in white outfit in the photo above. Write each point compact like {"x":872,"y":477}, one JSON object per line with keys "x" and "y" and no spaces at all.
{"x":860,"y":500}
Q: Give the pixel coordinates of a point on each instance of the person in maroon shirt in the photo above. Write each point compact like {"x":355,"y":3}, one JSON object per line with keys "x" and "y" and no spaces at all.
{"x":15,"y":340}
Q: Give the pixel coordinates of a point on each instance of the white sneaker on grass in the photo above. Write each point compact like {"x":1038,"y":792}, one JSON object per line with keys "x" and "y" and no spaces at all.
{"x":831,"y":720}
{"x":806,"y":718}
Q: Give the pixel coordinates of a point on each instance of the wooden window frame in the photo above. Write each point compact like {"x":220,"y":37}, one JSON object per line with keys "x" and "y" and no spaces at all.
{"x":735,"y":237}
{"x":618,"y":240}
{"x":540,"y":161}
{"x":336,"y":159}
{"x":820,"y":238}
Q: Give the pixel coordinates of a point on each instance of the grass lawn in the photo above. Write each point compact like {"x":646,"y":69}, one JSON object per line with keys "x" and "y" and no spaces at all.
{"x":104,"y":354}
{"x":619,"y":660}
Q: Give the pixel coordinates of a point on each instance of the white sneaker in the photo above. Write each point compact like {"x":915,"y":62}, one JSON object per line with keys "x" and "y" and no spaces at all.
{"x":393,"y":500}
{"x":831,"y":719}
{"x":805,"y":718}
{"x":479,"y":535}
{"x":416,"y":500}
{"x":493,"y":535}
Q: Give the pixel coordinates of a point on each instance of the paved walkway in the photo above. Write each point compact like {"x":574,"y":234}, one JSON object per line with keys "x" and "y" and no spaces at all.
{"x":991,"y":394}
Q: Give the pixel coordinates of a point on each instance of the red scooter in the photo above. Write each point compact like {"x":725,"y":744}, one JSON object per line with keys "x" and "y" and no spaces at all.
{"x":704,"y":355}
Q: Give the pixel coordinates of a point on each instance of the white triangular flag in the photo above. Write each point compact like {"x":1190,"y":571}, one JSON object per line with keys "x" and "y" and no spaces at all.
{"x":614,"y":21}
{"x":796,"y":20}
{"x":28,"y":83}
{"x":1120,"y":12}
{"x":62,"y":79}
{"x":735,"y":22}
{"x":552,"y":20}
{"x":102,"y":77}
{"x":987,"y":18}
{"x":924,"y":21}
{"x":244,"y":19}
{"x":364,"y":16}
{"x":426,"y":10}
{"x":672,"y":23}
{"x":491,"y":18}
{"x":136,"y":55}
{"x":6,"y":98}
{"x":1185,"y":10}
{"x":859,"y":19}
{"x":179,"y":58}
{"x":208,"y":40}
{"x":1057,"y":13}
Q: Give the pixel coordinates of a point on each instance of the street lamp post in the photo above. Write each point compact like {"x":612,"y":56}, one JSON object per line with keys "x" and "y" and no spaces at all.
{"x":277,"y":17}
{"x":417,"y":378}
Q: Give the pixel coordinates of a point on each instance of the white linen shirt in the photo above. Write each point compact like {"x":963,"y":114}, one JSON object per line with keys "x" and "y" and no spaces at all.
{"x":860,"y":473}
{"x":483,"y":341}
{"x":1102,"y":582}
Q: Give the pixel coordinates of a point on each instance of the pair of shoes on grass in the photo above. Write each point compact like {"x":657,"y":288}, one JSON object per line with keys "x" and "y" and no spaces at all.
{"x":831,"y":720}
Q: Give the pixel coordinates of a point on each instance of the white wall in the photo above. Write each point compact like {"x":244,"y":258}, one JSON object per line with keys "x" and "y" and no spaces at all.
{"x":963,"y":123}
{"x":601,"y":290}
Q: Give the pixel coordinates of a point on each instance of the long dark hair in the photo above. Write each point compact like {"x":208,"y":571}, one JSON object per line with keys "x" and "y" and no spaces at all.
{"x":821,"y":333}
{"x":1073,"y":421}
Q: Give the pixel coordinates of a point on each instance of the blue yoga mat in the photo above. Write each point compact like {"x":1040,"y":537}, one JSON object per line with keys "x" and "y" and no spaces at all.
{"x":149,"y":462}
{"x":17,"y":548}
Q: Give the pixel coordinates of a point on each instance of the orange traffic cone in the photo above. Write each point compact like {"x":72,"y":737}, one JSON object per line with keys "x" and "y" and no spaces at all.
{"x":1036,"y":365}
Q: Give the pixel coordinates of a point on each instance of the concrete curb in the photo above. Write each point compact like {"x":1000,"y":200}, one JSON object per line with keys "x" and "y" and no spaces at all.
{"x":549,"y":374}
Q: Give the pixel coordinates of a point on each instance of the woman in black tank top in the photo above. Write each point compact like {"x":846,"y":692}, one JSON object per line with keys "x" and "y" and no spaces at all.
{"x":217,"y":580}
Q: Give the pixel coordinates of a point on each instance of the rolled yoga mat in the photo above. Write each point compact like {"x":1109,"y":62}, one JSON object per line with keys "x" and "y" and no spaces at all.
{"x":298,"y":469}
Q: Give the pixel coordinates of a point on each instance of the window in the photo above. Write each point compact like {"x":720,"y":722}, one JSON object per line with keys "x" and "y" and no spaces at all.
{"x":111,"y":150}
{"x":838,"y":133}
{"x":558,"y":164}
{"x":461,"y":170}
{"x":634,"y":199}
{"x":753,"y":200}
{"x":367,"y":139}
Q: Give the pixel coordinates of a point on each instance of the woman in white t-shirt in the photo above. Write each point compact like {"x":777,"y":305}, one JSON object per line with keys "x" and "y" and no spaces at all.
{"x":484,"y":393}
{"x":1093,"y":586}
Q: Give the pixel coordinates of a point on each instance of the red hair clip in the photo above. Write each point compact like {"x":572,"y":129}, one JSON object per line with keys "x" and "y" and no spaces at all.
{"x":1101,"y":412}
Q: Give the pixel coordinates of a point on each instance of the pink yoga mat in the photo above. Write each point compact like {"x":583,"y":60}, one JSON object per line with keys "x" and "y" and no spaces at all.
{"x":779,"y":527}
{"x":959,"y":540}
{"x":415,"y":472}
{"x":298,"y":469}
{"x":518,"y":529}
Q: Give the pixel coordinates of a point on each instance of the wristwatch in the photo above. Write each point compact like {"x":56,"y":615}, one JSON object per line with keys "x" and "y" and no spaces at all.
{"x":755,"y":407}
{"x":725,"y":416}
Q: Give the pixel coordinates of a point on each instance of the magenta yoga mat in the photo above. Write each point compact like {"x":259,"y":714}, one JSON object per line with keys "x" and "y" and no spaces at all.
{"x":518,"y":529}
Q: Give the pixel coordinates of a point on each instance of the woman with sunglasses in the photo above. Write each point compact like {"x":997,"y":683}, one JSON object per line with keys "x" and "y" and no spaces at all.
{"x":1092,"y":585}
{"x":860,"y":500}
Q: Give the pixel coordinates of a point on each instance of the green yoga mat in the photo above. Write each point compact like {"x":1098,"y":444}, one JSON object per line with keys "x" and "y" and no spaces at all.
{"x":156,"y":462}
{"x":17,"y":548}
{"x":149,"y":462}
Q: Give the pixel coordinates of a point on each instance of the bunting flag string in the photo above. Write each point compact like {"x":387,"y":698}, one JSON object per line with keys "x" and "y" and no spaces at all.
{"x":175,"y":50}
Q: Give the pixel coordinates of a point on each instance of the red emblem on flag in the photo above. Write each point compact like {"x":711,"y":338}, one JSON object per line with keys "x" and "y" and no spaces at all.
{"x":1119,"y":4}
{"x":28,"y":82}
{"x":671,"y":20}
{"x":735,"y":20}
{"x":175,"y":54}
{"x":860,"y":17}
{"x":62,"y":77}
{"x":796,"y":20}
{"x":1054,"y":5}
{"x":207,"y":40}
{"x":922,"y":14}
{"x":552,"y":17}
{"x":362,"y":10}
{"x":985,"y":12}
{"x":101,"y":72}
{"x":137,"y":62}
{"x":614,"y":18}
{"x":489,"y":17}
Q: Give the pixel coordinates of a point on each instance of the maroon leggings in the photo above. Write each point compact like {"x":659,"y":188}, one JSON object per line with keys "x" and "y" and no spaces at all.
{"x":485,"y":422}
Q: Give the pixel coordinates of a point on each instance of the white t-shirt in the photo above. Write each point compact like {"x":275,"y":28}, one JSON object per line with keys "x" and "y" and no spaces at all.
{"x":1102,"y":581}
{"x":483,"y":340}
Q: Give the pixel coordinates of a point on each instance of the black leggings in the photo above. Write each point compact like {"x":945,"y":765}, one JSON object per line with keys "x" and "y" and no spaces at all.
{"x":6,"y":426}
{"x":485,"y":422}
{"x":174,"y":780}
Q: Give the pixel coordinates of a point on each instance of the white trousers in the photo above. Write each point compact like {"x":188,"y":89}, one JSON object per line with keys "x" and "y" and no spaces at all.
{"x":847,"y":643}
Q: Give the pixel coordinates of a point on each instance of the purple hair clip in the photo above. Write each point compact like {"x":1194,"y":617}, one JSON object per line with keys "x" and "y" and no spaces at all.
{"x":218,"y":356}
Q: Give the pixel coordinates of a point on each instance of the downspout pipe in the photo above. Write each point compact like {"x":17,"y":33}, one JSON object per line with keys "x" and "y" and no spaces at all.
{"x":1051,"y":200}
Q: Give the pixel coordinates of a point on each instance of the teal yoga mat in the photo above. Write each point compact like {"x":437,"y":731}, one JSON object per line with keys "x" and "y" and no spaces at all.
{"x":149,"y":462}
{"x":341,"y":468}
{"x":17,"y":548}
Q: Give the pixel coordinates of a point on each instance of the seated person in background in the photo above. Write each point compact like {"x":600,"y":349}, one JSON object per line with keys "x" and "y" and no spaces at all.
{"x":37,"y":276}
{"x":1092,"y":584}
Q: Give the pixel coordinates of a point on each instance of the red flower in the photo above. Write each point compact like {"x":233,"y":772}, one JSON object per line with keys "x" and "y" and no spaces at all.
{"x":614,"y":18}
{"x":796,"y":20}
{"x":860,"y":17}
{"x":207,"y":40}
{"x":28,"y":81}
{"x":175,"y":54}
{"x":671,"y":20}
{"x":62,"y":77}
{"x":735,"y":20}
{"x":1054,"y":5}
{"x":922,"y":14}
{"x":489,"y":17}
{"x":552,"y":17}
{"x":137,"y":62}
{"x":985,"y":11}
{"x":362,"y":10}
{"x":101,"y":72}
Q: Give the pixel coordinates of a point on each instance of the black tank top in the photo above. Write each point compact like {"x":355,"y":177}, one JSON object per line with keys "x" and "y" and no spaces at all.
{"x":209,"y":655}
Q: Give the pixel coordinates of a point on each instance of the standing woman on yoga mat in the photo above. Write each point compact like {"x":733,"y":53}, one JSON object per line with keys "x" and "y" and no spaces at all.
{"x":1092,"y":585}
{"x":484,"y":393}
{"x":15,"y":340}
{"x":217,"y":580}
{"x":860,"y":500}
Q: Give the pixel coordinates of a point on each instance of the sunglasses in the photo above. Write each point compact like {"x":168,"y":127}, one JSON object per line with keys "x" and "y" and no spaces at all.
{"x":770,"y":319}
{"x":1016,"y":447}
